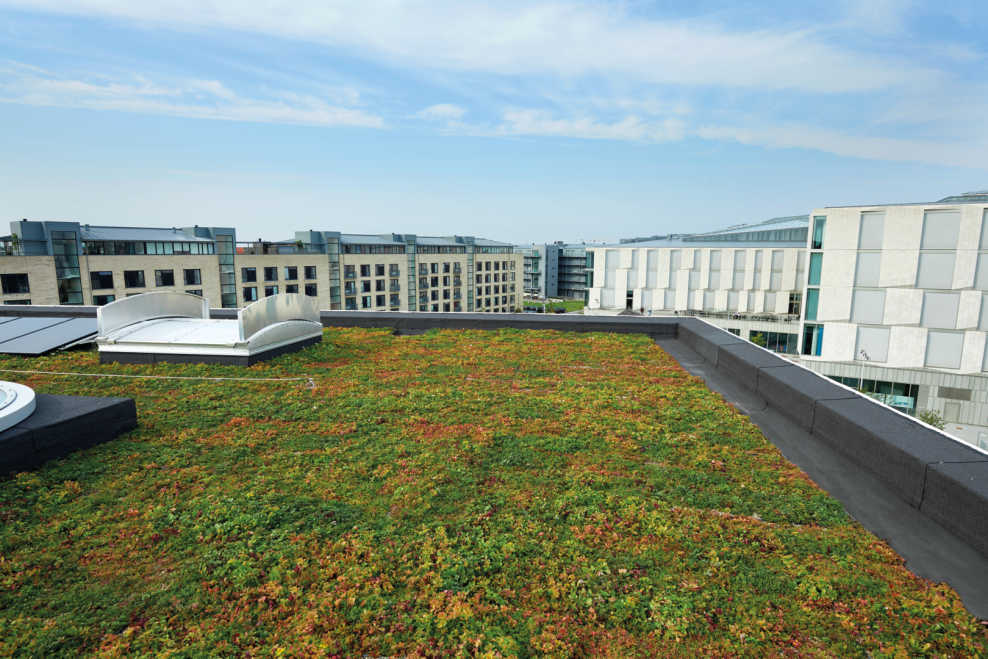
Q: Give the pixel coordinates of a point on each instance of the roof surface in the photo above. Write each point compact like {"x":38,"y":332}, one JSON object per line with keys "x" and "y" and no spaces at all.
{"x":93,"y":232}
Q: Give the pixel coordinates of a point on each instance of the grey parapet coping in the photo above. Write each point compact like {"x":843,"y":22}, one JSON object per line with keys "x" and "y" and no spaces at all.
{"x":796,"y":391}
{"x":653,"y":326}
{"x":43,"y":311}
{"x":743,"y":361}
{"x":893,"y":447}
{"x":705,"y":339}
{"x":956,"y":496}
{"x":61,"y":425}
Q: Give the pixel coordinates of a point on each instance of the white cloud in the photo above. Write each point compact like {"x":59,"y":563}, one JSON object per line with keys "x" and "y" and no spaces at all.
{"x":630,"y":129}
{"x":969,"y":153}
{"x":202,"y":99}
{"x":547,"y":37}
{"x":441,"y":112}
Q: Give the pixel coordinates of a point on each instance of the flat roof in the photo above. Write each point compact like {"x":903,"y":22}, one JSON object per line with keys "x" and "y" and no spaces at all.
{"x":94,"y":232}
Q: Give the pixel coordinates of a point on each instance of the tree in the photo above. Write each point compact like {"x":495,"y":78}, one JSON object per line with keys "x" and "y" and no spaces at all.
{"x":933,"y":418}
{"x":759,"y":339}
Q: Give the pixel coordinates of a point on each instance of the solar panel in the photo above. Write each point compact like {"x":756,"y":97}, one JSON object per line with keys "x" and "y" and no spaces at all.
{"x":34,"y":336}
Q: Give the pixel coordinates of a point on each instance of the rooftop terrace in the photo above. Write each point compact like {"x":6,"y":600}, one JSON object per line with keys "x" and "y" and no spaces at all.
{"x":506,"y":492}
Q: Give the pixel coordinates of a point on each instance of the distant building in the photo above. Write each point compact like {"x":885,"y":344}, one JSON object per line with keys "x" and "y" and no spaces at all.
{"x":891,"y":299}
{"x":72,"y":263}
{"x":556,"y":270}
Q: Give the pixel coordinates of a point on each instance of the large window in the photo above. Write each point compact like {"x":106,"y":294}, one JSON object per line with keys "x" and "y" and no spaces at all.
{"x":365,"y":270}
{"x":291,"y":272}
{"x":15,"y":284}
{"x":943,"y":349}
{"x":775,"y":341}
{"x":101,"y":279}
{"x":134,"y":278}
{"x":271,"y":274}
{"x":250,"y":293}
{"x":940,"y":310}
{"x":248,"y":275}
{"x":270,"y":290}
{"x":100,"y":300}
{"x":872,"y":344}
{"x":193,"y":277}
{"x":291,"y":288}
{"x":812,"y":302}
{"x":311,"y":290}
{"x":310,"y":272}
{"x":819,"y":224}
{"x":164,"y":277}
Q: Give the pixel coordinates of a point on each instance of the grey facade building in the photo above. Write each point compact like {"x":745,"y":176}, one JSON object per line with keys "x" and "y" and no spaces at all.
{"x":50,"y":263}
{"x":557,"y":270}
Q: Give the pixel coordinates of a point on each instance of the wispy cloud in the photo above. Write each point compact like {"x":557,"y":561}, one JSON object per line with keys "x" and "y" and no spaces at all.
{"x":547,"y":37}
{"x":441,"y":112}
{"x":629,"y":129}
{"x":201,"y":99}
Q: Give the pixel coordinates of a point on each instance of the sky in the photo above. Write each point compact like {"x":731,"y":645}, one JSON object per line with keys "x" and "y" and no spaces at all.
{"x":518,"y":121}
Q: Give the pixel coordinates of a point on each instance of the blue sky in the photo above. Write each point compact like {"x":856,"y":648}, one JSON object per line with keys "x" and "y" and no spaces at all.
{"x":528,"y":121}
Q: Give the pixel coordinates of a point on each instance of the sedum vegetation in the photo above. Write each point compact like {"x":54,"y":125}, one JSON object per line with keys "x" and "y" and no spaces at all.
{"x":487,"y":493}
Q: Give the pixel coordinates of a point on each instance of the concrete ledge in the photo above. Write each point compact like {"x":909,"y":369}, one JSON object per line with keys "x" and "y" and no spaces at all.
{"x":658,"y":326}
{"x":956,"y":496}
{"x":62,"y":424}
{"x":895,"y":449}
{"x":743,"y":361}
{"x":706,"y":339}
{"x":794,"y":391}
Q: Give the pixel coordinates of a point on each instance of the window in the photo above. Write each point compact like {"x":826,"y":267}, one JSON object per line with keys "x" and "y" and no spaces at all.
{"x":943,"y":349}
{"x":349,"y":272}
{"x":867,"y":270}
{"x":819,"y":224}
{"x":164,"y":277}
{"x":291,"y":288}
{"x":101,"y":279}
{"x":813,"y":340}
{"x":380,"y":300}
{"x":812,"y":302}
{"x":872,"y":344}
{"x":940,"y":310}
{"x":393,"y":270}
{"x":365,"y":286}
{"x":775,"y":282}
{"x":194,"y":291}
{"x":134,"y":278}
{"x":365,"y":270}
{"x":714,"y":269}
{"x":291,"y":272}
{"x":379,"y":285}
{"x":17,"y":301}
{"x":434,"y":282}
{"x":445,"y":280}
{"x":694,"y":281}
{"x":351,"y":304}
{"x":395,"y":285}
{"x":311,"y":290}
{"x":192,"y":276}
{"x":250,"y":293}
{"x":310,"y":272}
{"x":739,"y":261}
{"x":795,"y":302}
{"x":936,"y":270}
{"x":350,"y":288}
{"x":434,"y":268}
{"x":365,"y":302}
{"x":395,"y":301}
{"x":100,"y":300}
{"x":271,"y":274}
{"x":775,"y":341}
{"x":379,"y":270}
{"x":941,"y":229}
{"x":872,"y":230}
{"x":248,"y":274}
{"x":15,"y":284}
{"x":270,"y":290}
{"x":868,"y":307}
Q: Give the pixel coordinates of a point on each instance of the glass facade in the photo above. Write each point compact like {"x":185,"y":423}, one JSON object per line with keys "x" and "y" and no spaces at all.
{"x":65,"y":248}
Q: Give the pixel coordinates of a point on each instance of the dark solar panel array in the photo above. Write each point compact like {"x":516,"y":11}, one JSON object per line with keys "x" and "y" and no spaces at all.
{"x":20,"y":335}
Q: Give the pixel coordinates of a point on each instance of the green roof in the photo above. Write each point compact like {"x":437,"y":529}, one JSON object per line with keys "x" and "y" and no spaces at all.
{"x":503,"y":493}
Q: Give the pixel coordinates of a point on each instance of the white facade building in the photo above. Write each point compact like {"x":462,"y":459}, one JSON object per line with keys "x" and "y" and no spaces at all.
{"x":890,"y":299}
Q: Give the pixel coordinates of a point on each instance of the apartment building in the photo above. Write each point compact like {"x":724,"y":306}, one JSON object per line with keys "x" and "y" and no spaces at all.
{"x":72,"y":263}
{"x":889,"y":299}
{"x":556,"y":270}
